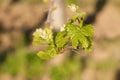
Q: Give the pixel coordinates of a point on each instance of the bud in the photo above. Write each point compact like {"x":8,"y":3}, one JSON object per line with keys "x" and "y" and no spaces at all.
{"x":73,"y":7}
{"x":63,"y":27}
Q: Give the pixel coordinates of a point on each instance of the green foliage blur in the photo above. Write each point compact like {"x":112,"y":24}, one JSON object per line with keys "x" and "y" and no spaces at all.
{"x":67,"y":71}
{"x":31,"y":66}
{"x":77,"y":2}
{"x":24,"y":62}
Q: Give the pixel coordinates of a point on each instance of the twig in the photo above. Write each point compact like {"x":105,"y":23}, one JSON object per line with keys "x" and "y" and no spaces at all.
{"x":48,"y":21}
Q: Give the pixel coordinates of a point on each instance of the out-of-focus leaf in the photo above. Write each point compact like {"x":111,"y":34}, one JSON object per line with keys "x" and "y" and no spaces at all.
{"x":73,"y":2}
{"x":43,"y":55}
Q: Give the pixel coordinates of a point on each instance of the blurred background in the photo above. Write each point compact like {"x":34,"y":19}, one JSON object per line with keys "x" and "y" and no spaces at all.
{"x":18,"y":59}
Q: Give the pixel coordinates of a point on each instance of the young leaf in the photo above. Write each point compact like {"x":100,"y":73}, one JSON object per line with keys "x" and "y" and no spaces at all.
{"x":84,"y":41}
{"x":49,"y":53}
{"x":43,"y":55}
{"x":61,"y":39}
{"x":74,"y":41}
{"x":87,"y":30}
{"x":77,"y":16}
{"x":77,"y":36}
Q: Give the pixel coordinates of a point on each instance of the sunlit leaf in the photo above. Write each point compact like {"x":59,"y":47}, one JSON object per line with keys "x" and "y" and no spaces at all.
{"x":61,"y":39}
{"x":49,"y":53}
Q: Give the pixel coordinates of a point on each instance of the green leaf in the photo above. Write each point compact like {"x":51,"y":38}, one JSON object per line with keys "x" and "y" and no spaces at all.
{"x":74,"y":18}
{"x":89,"y":48}
{"x":74,"y":41}
{"x":72,"y":33}
{"x":61,"y":39}
{"x":81,"y":24}
{"x":87,"y":30}
{"x":72,"y":2}
{"x":49,"y":53}
{"x":43,"y":55}
{"x":76,"y":36}
{"x":84,"y":41}
{"x":77,"y":16}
